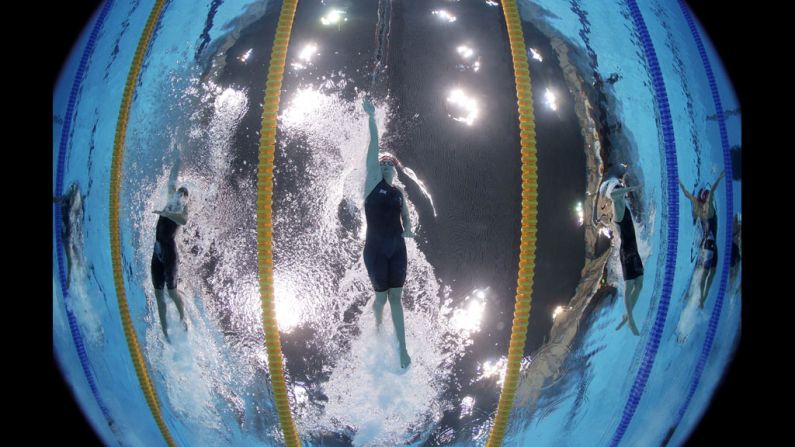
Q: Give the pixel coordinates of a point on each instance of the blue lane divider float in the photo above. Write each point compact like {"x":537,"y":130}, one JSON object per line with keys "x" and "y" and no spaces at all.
{"x":59,"y":177}
{"x":724,"y":140}
{"x":672,"y":177}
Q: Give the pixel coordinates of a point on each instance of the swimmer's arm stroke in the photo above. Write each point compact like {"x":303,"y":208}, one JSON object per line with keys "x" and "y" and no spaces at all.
{"x":172,"y":179}
{"x":404,"y":214}
{"x":691,"y":197}
{"x":722,"y":173}
{"x":373,"y":169}
{"x":621,"y":191}
{"x":710,"y":195}
{"x":717,"y":182}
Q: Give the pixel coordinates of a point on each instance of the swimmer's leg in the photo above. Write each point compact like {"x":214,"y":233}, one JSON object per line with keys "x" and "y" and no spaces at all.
{"x":623,"y":322}
{"x":177,"y":297}
{"x":397,"y":319}
{"x":161,"y":310}
{"x":709,"y":275}
{"x":378,"y":307}
{"x":630,"y":299}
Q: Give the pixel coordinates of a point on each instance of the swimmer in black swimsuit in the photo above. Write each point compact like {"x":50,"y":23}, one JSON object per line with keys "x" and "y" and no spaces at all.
{"x":164,"y":256}
{"x":71,"y":227}
{"x":704,"y":210}
{"x":631,"y":264}
{"x":736,"y":244}
{"x":384,"y":248}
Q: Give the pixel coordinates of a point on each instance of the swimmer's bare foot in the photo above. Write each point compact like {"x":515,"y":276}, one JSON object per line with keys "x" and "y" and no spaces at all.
{"x":405,"y":360}
{"x":623,"y":321}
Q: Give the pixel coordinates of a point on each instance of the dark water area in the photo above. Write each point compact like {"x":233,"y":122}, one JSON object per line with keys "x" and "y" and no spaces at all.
{"x":560,"y":253}
{"x":473,"y":171}
{"x":251,"y":75}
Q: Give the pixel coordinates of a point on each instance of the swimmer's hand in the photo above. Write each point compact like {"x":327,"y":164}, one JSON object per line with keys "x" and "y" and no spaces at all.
{"x":368,"y":106}
{"x":408,"y":233}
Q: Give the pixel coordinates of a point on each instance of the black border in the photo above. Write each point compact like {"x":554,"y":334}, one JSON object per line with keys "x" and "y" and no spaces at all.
{"x":729,"y":26}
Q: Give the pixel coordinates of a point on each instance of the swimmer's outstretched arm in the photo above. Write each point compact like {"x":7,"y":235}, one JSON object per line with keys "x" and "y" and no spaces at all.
{"x":710,"y":193}
{"x":687,"y":193}
{"x":404,"y":213}
{"x":172,"y":179}
{"x":722,"y":173}
{"x":373,"y":170}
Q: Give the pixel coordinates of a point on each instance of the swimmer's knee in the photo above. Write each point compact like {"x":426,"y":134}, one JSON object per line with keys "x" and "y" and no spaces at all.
{"x":395,"y":293}
{"x":159,"y":295}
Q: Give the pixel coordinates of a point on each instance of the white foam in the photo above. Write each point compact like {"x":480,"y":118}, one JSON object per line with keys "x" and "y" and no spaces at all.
{"x":691,"y":315}
{"x":369,"y":392}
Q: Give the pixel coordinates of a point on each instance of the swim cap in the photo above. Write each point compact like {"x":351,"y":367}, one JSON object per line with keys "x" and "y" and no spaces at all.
{"x":387,"y":158}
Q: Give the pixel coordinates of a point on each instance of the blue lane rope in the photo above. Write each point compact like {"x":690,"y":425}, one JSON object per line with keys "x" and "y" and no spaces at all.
{"x":724,"y":140}
{"x":673,"y":224}
{"x":67,"y":124}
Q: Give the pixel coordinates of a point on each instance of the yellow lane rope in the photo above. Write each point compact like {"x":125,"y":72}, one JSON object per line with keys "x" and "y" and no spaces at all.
{"x":527,"y":243}
{"x":267,"y":145}
{"x":115,"y":233}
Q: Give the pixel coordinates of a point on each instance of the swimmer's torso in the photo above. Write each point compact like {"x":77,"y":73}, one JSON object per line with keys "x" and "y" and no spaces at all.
{"x":167,"y":228}
{"x":382,"y":209}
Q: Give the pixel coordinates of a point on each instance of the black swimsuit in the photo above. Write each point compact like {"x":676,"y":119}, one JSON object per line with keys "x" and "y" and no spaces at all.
{"x":631,"y":263}
{"x":384,"y":248}
{"x":164,"y":258}
{"x":709,"y":254}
